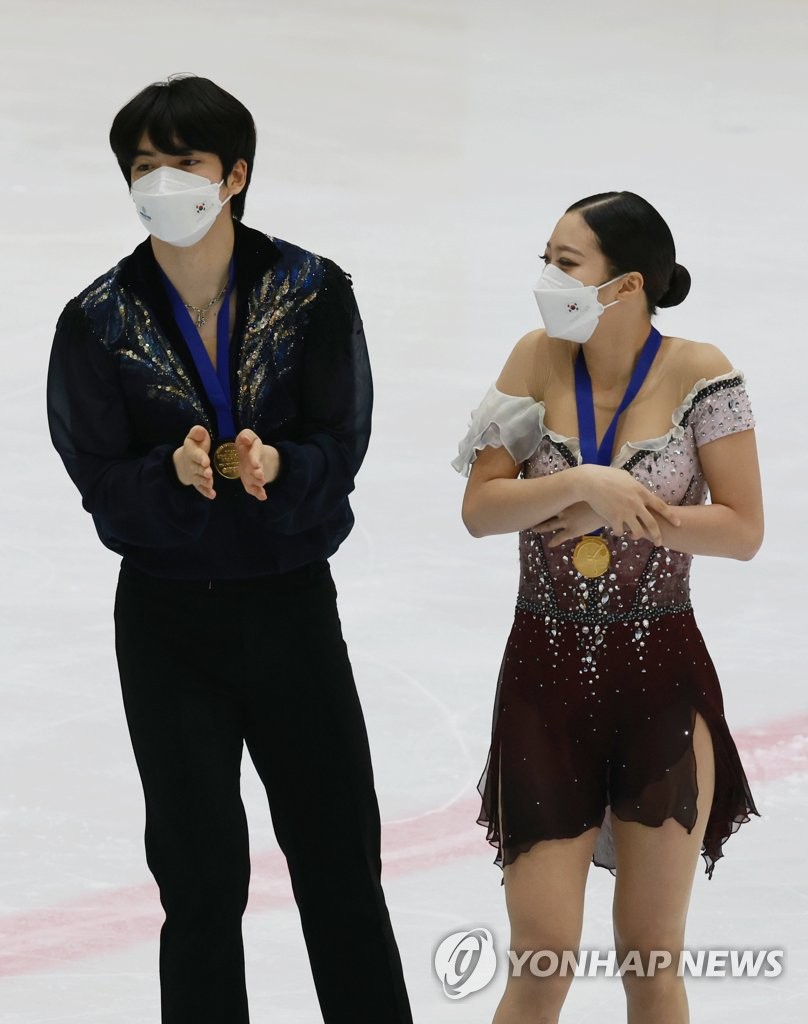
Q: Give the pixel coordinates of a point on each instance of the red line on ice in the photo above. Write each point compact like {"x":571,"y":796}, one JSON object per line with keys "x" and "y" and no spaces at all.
{"x":41,"y":940}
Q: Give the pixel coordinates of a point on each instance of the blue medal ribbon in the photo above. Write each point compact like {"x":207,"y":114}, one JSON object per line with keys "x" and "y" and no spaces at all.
{"x":216,"y":382}
{"x":601,"y":453}
{"x":590,"y":450}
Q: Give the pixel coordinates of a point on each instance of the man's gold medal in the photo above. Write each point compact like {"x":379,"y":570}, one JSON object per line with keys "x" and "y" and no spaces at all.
{"x":226,"y":461}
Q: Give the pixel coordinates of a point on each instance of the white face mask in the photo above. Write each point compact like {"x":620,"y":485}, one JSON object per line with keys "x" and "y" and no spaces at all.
{"x":569,"y":308}
{"x":176,"y":206}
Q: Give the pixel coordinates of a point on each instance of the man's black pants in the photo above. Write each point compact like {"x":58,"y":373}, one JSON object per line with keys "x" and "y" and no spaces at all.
{"x":204,"y":668}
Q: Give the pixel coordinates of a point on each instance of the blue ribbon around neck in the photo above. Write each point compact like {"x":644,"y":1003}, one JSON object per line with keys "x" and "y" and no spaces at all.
{"x":216,"y":382}
{"x":601,"y":453}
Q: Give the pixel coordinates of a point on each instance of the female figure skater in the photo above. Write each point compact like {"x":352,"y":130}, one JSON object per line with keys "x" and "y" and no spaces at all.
{"x":599,"y":443}
{"x":211,"y":397}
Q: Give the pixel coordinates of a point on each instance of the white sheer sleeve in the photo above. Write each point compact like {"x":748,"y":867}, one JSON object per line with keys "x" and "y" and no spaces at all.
{"x":500,"y":420}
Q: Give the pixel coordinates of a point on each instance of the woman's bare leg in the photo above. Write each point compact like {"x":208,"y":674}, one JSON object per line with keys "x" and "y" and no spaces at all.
{"x":544,"y":894}
{"x":655,"y":871}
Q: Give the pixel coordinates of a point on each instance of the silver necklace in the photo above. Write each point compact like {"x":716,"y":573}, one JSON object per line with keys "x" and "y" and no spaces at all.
{"x":200,"y":311}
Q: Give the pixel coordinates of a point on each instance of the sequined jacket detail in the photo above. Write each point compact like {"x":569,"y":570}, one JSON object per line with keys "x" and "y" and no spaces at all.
{"x":123,"y":391}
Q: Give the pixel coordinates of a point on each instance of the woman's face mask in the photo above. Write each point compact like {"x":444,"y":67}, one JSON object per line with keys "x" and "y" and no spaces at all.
{"x":569,"y":308}
{"x":176,"y":206}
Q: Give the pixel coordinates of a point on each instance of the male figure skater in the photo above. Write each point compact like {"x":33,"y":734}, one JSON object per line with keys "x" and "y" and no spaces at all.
{"x":211,"y":397}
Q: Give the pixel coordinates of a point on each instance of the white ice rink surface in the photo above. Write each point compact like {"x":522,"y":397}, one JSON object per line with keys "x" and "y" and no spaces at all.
{"x":428,"y":147}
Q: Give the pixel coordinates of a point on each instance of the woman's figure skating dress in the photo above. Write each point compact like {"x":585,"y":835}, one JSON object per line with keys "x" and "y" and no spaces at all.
{"x":602,"y":677}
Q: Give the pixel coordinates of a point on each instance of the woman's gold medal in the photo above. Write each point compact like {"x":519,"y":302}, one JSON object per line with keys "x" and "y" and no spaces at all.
{"x":591,"y":556}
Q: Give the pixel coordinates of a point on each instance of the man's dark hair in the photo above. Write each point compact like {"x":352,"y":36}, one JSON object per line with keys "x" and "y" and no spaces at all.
{"x":633,"y":236}
{"x":186,"y":112}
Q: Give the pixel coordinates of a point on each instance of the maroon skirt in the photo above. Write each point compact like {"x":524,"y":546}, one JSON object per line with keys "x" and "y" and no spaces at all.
{"x":578,"y":736}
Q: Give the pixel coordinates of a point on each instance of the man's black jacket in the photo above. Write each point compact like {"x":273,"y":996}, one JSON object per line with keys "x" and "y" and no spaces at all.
{"x":123,"y":391}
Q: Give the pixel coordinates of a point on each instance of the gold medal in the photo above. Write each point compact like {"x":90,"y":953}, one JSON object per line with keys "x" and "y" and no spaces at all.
{"x":226,"y":461}
{"x":591,"y":556}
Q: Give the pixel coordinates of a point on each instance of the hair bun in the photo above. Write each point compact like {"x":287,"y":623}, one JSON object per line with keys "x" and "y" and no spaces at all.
{"x":678,"y":287}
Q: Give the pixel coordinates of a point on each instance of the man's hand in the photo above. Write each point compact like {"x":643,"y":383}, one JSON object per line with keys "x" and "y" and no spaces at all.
{"x":192,"y":462}
{"x":260,"y":463}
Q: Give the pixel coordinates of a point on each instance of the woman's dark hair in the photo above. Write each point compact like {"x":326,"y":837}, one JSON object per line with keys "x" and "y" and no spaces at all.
{"x":633,"y":236}
{"x":186,"y":112}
